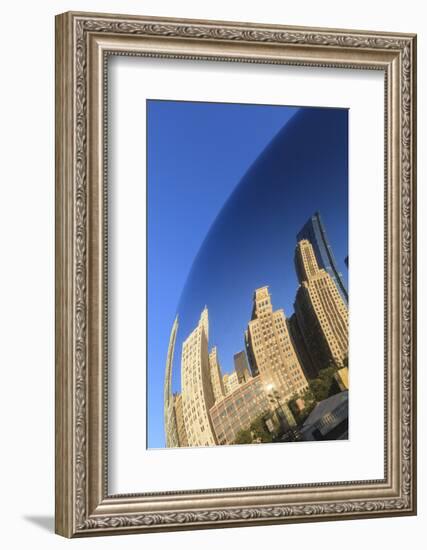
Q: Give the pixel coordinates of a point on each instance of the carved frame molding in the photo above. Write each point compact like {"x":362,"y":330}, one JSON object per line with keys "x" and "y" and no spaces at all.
{"x":83,"y":43}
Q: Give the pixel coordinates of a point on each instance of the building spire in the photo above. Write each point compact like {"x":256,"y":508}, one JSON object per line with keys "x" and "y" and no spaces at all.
{"x":315,"y":232}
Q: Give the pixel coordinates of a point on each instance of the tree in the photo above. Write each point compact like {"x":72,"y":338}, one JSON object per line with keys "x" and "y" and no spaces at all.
{"x":259,"y":430}
{"x":325,"y":384}
{"x":256,"y":433}
{"x":243,"y":437}
{"x":332,"y":365}
{"x":309,"y":404}
{"x":320,"y":388}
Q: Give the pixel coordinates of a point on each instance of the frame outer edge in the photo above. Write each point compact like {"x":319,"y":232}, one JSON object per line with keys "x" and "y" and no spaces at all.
{"x":249,"y":25}
{"x":64,"y":237}
{"x":73,"y":515}
{"x":413,"y":215}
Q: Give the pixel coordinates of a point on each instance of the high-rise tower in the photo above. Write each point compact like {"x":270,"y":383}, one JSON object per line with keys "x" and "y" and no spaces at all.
{"x":315,"y":232}
{"x":197,"y":391}
{"x":272,"y":349}
{"x":321,"y":312}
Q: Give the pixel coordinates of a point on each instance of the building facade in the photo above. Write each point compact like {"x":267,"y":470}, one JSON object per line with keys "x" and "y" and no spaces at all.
{"x":241,"y":367}
{"x":170,"y":426}
{"x":231,"y":382}
{"x":216,"y":376}
{"x":179,"y":418}
{"x":315,"y":232}
{"x":272,"y":349}
{"x":321,"y":312}
{"x":197,"y":391}
{"x":238,"y":410}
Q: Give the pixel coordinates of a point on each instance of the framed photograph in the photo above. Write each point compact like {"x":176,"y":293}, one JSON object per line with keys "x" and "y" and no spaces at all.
{"x":235,"y":274}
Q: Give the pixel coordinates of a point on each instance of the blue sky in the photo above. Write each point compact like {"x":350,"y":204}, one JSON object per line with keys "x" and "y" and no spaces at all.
{"x":229,"y":186}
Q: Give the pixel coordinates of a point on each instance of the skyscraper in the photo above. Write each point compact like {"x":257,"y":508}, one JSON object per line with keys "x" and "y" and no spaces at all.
{"x":241,"y":366}
{"x":314,"y":231}
{"x":216,"y":376}
{"x":321,"y":312}
{"x":197,"y":391}
{"x":272,"y":349}
{"x":171,"y":431}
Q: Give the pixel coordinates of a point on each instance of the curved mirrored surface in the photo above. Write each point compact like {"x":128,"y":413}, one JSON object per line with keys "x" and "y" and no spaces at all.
{"x":243,"y":286}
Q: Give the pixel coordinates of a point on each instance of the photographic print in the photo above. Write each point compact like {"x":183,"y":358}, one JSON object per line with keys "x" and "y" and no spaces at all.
{"x":208,"y":175}
{"x":248,"y":296}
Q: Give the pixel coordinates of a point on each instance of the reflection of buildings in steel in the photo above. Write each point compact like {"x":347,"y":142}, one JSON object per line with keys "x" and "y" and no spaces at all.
{"x":197,"y":390}
{"x":272,"y":349}
{"x":171,"y":431}
{"x":304,"y":146}
{"x":238,"y":410}
{"x":315,"y":232}
{"x":321,"y":313}
{"x":211,"y":408}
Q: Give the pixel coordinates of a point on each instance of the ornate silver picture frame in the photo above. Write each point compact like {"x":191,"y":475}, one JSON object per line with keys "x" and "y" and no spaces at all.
{"x":84,"y":43}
